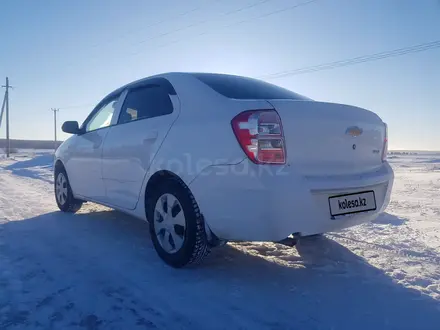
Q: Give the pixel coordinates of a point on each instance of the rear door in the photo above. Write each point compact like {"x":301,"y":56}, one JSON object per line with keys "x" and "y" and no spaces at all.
{"x":146,"y":116}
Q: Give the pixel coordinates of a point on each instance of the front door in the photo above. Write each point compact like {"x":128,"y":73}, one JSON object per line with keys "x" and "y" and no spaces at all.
{"x":84,"y":167}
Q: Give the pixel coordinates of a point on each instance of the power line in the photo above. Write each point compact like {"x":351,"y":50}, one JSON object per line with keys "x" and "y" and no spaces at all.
{"x":301,"y":4}
{"x":356,"y":60}
{"x":333,"y":65}
{"x":182,"y":14}
{"x":201,"y":22}
{"x":255,"y":4}
{"x":145,"y":27}
{"x":278,"y":11}
{"x":77,"y":106}
{"x":203,"y":33}
{"x":182,"y":28}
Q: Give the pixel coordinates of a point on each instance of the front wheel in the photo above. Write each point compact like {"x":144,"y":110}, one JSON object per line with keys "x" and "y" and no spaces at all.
{"x":63,"y":193}
{"x":176,"y":225}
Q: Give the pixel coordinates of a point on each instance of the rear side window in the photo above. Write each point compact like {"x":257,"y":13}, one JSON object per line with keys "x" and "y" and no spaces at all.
{"x":145,"y":102}
{"x":243,"y":88}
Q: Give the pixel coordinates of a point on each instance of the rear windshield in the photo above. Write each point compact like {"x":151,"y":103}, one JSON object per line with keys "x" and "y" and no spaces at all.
{"x":243,"y":88}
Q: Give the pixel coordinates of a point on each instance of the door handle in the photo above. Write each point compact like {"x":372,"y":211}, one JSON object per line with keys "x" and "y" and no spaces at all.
{"x":150,"y":138}
{"x":151,"y":135}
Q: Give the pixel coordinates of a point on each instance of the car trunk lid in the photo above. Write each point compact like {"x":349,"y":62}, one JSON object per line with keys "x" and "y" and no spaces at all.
{"x":330,"y":139}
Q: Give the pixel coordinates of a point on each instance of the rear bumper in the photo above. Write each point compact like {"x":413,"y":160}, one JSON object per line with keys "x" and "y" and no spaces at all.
{"x":268,"y":203}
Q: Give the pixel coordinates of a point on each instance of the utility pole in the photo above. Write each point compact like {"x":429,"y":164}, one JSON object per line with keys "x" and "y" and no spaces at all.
{"x":8,"y":144}
{"x":55,"y":110}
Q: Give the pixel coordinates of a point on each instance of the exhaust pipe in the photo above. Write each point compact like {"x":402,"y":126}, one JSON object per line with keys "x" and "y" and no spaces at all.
{"x":291,"y":240}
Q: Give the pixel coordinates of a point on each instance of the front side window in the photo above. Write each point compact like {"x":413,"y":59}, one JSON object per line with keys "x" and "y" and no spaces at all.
{"x":103,"y":117}
{"x":145,"y":102}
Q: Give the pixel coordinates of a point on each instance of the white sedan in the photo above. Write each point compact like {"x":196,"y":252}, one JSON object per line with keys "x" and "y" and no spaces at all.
{"x":210,"y":158}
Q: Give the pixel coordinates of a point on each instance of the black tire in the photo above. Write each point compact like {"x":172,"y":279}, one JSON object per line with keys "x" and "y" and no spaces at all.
{"x":70,"y":204}
{"x":195,"y":244}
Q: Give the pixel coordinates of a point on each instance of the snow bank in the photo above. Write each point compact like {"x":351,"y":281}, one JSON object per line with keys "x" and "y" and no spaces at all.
{"x":37,"y":167}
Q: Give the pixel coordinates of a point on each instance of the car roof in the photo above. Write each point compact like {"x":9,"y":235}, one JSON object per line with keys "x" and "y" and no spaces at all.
{"x":165,"y":75}
{"x":141,"y":81}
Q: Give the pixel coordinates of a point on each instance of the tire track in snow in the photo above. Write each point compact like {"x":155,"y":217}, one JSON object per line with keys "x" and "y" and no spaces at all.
{"x":429,"y":256}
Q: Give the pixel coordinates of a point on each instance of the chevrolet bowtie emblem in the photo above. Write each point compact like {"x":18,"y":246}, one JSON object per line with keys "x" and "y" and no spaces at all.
{"x":354,"y":131}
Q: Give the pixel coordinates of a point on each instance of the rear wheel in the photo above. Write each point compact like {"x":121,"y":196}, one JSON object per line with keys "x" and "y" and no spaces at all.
{"x":63,"y":193}
{"x":176,"y":225}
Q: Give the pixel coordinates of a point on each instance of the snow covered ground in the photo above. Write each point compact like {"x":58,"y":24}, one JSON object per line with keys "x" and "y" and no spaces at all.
{"x":98,"y":269}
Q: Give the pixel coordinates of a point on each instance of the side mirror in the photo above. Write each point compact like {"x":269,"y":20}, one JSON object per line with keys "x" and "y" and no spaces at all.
{"x":71,"y":127}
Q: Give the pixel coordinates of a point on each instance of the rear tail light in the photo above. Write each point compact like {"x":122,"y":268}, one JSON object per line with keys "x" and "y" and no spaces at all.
{"x":260,"y":134}
{"x":385,"y":144}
